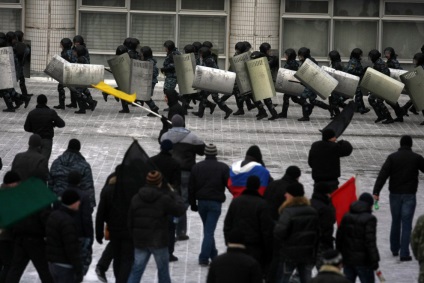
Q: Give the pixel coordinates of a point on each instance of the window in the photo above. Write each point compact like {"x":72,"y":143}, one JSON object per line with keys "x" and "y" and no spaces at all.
{"x":354,"y":34}
{"x":111,"y":3}
{"x":357,"y":8}
{"x":404,"y":9}
{"x":203,"y":5}
{"x":154,"y":5}
{"x":311,"y":6}
{"x":10,"y":1}
{"x":405,"y":37}
{"x":10,"y":19}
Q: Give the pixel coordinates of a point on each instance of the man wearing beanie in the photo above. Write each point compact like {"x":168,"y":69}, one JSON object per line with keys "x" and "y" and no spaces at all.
{"x":242,"y":170}
{"x":356,"y":239}
{"x":31,"y":163}
{"x":148,"y":226}
{"x":251,"y":214}
{"x":72,"y":160}
{"x":175,"y":108}
{"x":401,"y":168}
{"x":276,"y":190}
{"x":171,"y":170}
{"x":296,"y":232}
{"x":331,"y":270}
{"x":42,"y":121}
{"x":62,"y":245}
{"x":186,"y":145}
{"x":324,"y":158}
{"x":208,"y":180}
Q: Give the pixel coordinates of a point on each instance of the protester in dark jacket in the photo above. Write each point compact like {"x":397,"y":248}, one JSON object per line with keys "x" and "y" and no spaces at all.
{"x":148,"y":225}
{"x":324,"y":158}
{"x":251,"y":214}
{"x":42,"y":121}
{"x":72,"y":160}
{"x":331,"y":270}
{"x":297,"y":233}
{"x":276,"y":190}
{"x":175,"y":108}
{"x":63,"y":247}
{"x":31,"y":163}
{"x":357,"y":240}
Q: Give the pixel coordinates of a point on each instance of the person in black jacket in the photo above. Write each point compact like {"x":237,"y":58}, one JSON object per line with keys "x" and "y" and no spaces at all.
{"x":42,"y":121}
{"x":324,"y":158}
{"x":335,"y":99}
{"x":297,"y":234}
{"x":402,"y":167}
{"x":357,"y":241}
{"x":174,"y":108}
{"x":291,"y":64}
{"x":276,"y":190}
{"x":62,"y":245}
{"x":208,"y":180}
{"x":331,"y":270}
{"x":251,"y":214}
{"x":148,"y":225}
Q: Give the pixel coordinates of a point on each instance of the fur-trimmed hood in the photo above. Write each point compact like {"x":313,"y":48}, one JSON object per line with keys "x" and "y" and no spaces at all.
{"x":331,"y":268}
{"x":296,"y":201}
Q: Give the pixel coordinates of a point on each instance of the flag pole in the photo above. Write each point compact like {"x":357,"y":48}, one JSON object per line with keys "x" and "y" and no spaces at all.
{"x":150,"y":111}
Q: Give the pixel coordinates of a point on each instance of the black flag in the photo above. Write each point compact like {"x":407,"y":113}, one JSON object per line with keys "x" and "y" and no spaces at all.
{"x":341,"y":121}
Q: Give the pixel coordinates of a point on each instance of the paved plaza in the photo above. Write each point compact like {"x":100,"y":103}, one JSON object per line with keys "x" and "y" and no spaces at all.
{"x":105,"y":135}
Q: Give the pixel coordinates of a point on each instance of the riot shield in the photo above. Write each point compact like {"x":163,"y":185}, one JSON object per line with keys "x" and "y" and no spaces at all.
{"x":121,"y":70}
{"x":414,"y":82}
{"x":7,"y":67}
{"x":141,"y":79}
{"x":287,"y":83}
{"x":260,"y":78}
{"x":238,"y":65}
{"x":83,"y":75}
{"x":381,"y":85}
{"x":396,"y":73}
{"x":185,"y":65}
{"x":347,"y":83}
{"x":214,"y":80}
{"x":312,"y":76}
{"x":55,"y":68}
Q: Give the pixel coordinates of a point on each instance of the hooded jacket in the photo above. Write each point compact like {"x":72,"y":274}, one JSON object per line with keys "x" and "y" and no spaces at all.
{"x":274,"y":194}
{"x":31,"y":163}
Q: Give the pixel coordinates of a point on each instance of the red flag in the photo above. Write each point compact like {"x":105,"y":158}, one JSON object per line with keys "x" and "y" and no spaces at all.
{"x":343,"y":197}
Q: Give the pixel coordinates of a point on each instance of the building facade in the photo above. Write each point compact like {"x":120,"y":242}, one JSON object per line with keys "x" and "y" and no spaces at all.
{"x":321,"y":25}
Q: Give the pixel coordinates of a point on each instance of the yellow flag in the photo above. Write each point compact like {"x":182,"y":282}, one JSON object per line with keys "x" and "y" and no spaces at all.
{"x":117,"y":93}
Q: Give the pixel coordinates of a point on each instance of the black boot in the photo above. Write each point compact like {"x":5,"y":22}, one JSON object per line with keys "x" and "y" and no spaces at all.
{"x":284,"y":109}
{"x":249,"y":103}
{"x":154,"y":109}
{"x":262,"y":113}
{"x":224,"y":108}
{"x":201,"y":110}
{"x":386,"y":114}
{"x":9,"y":104}
{"x":211,"y":106}
{"x":225,"y":97}
{"x":271,"y":109}
{"x":306,"y":111}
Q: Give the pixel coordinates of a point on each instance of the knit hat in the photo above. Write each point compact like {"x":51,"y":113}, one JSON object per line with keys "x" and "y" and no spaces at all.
{"x":210,"y":150}
{"x":328,"y":134}
{"x":70,"y":197}
{"x":255,"y":152}
{"x":322,"y":188}
{"x":177,"y":121}
{"x":34,"y":140}
{"x":293,"y":171}
{"x":296,"y":190}
{"x":367,"y":198}
{"x":74,"y":178}
{"x":74,"y":144}
{"x":406,"y":141}
{"x":42,"y":99}
{"x":11,"y":177}
{"x":154,"y":178}
{"x":166,"y":145}
{"x":253,"y":183}
{"x":332,"y":257}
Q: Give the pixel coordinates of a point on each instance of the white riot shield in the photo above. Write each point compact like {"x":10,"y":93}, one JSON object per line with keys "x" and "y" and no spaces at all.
{"x":238,"y":65}
{"x":396,"y":73}
{"x":55,"y":68}
{"x":7,"y":68}
{"x":260,"y":78}
{"x":381,"y":85}
{"x":414,"y":82}
{"x":347,"y":83}
{"x":121,"y":70}
{"x":214,"y":80}
{"x":312,"y":76}
{"x":141,"y":79}
{"x":287,"y":83}
{"x":83,"y":75}
{"x":185,"y":65}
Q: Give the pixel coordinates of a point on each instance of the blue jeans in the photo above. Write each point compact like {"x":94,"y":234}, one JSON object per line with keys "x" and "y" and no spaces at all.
{"x":209,"y":212}
{"x":365,"y":274}
{"x":285,"y":271}
{"x":182,"y":222}
{"x":141,"y":258}
{"x":402,"y":207}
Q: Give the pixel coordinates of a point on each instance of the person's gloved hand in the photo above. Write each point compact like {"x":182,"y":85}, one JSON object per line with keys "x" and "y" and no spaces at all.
{"x":164,"y":121}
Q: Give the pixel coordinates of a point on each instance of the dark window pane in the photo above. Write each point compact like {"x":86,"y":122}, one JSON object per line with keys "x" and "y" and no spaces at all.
{"x":357,"y":8}
{"x":404,"y":9}
{"x":110,"y":3}
{"x":203,"y":5}
{"x":10,"y":19}
{"x":354,"y":34}
{"x":405,"y":37}
{"x":302,"y":6}
{"x":154,"y":5}
{"x":10,"y":1}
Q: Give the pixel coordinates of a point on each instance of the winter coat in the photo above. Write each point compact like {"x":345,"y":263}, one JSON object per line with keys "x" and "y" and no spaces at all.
{"x":186,"y":146}
{"x":240,"y":171}
{"x":357,"y":237}
{"x":417,"y":239}
{"x":297,"y":231}
{"x":70,"y":161}
{"x":62,"y":244}
{"x":42,"y":121}
{"x":380,"y":66}
{"x":324,"y":159}
{"x":235,"y":266}
{"x":168,"y":64}
{"x":402,"y":167}
{"x":83,"y":218}
{"x":31,"y":163}
{"x":292,"y":65}
{"x":326,"y":218}
{"x":354,"y":67}
{"x":148,"y":216}
{"x":275,"y":194}
{"x":393,"y":64}
{"x":169,"y":167}
{"x":329,"y":273}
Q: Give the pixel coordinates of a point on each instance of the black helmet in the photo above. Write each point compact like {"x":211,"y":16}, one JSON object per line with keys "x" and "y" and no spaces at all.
{"x":134,"y":42}
{"x":197,"y":45}
{"x":79,"y":39}
{"x":10,"y":36}
{"x":248,"y":45}
{"x":3,"y":42}
{"x":121,"y":50}
{"x":305,"y":52}
{"x":334,"y":56}
{"x":2,"y":35}
{"x":356,"y":53}
{"x":393,"y":54}
{"x":241,"y":47}
{"x":19,"y":35}
{"x":80,"y":50}
{"x":264,"y":47}
{"x":374,"y":55}
{"x":291,"y":54}
{"x":419,"y":57}
{"x":127,"y":42}
{"x":207,"y":44}
{"x":66,"y":43}
{"x":189,"y":48}
{"x":170,"y":45}
{"x":205,"y":52}
{"x":147,"y":52}
{"x":256,"y":55}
